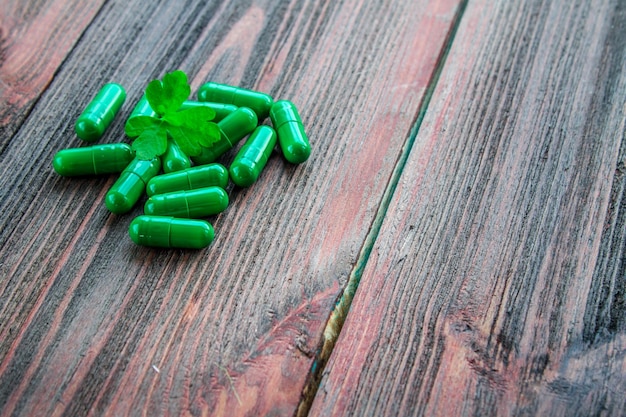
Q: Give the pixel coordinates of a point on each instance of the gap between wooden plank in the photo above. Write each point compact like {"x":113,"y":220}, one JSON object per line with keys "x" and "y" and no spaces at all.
{"x":342,"y":307}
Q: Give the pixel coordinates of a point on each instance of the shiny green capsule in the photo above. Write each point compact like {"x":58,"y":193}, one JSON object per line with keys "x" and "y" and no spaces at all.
{"x":168,"y":232}
{"x":233,"y":128}
{"x":221,"y":109}
{"x":142,"y":108}
{"x":201,"y":202}
{"x":189,"y":179}
{"x":290,"y":130}
{"x":92,"y":160}
{"x":174,"y":159}
{"x":253,"y":156}
{"x":259,"y":102}
{"x":131,"y":184}
{"x":100,"y":112}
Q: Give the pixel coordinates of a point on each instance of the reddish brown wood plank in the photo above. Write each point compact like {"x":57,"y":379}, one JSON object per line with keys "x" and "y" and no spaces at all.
{"x":35,"y":38}
{"x":91,"y":323}
{"x":496,"y":285}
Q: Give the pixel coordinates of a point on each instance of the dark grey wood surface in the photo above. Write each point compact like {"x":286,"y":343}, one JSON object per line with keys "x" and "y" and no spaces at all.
{"x":496,"y":284}
{"x":91,"y":324}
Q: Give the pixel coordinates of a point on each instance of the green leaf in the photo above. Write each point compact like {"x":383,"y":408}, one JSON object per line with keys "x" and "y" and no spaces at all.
{"x":190,"y":128}
{"x":173,"y":119}
{"x":193,"y":128}
{"x":186,"y":139}
{"x":137,"y":124}
{"x":152,"y":142}
{"x":190,"y":117}
{"x":156,"y":97}
{"x":168,"y":95}
{"x":210,"y":134}
{"x":176,"y":89}
{"x":198,"y":119}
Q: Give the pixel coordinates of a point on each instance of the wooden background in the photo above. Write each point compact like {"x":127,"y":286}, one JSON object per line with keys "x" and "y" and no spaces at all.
{"x":455,"y":245}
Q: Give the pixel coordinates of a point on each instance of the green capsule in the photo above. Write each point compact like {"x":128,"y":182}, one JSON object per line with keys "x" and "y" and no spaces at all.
{"x":259,"y":102}
{"x":189,"y":179}
{"x":168,"y":232}
{"x":131,"y":184}
{"x":221,"y":110}
{"x":253,"y":156}
{"x":174,"y":159}
{"x":142,"y":108}
{"x":290,"y":130}
{"x":201,"y":202}
{"x":233,"y":128}
{"x":100,"y":112}
{"x":100,"y":159}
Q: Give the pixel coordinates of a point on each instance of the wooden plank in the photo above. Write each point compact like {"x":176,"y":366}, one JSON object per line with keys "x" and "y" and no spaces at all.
{"x":91,"y":323}
{"x":496,"y":284}
{"x":35,"y":38}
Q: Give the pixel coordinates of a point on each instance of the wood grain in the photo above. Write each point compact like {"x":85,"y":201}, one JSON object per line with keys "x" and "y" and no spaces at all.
{"x":92,"y":324}
{"x":496,"y":284}
{"x":35,"y":38}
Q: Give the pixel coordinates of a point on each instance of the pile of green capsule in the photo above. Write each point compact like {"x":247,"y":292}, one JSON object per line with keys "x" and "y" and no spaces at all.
{"x":183,"y":190}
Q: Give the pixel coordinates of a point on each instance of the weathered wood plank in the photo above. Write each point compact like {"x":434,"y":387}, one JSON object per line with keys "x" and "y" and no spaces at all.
{"x":496,"y":284}
{"x":91,"y":323}
{"x":35,"y":38}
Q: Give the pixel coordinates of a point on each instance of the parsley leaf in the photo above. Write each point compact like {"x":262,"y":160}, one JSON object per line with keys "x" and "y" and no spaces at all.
{"x":186,"y":140}
{"x":137,"y":124}
{"x":191,"y":129}
{"x":152,"y":142}
{"x":168,"y":95}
